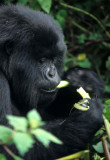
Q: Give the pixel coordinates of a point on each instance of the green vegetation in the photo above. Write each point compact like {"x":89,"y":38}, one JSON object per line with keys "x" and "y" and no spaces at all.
{"x":23,"y":133}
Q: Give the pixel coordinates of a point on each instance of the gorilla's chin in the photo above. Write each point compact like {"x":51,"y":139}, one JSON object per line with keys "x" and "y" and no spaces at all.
{"x":46,"y":97}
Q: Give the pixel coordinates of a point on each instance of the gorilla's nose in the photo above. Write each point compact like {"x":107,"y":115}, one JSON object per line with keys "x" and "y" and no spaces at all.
{"x":52,"y":72}
{"x":52,"y":75}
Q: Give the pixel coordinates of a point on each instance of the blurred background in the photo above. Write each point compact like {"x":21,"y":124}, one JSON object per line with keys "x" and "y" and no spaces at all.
{"x":86,"y":27}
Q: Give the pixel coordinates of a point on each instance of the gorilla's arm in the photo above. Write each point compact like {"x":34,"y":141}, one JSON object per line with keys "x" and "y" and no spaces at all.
{"x":67,"y":96}
{"x":5,"y":102}
{"x":86,"y":78}
{"x":75,"y":132}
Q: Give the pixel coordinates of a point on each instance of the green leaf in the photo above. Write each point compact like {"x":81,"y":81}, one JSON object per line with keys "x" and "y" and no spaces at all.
{"x":107,"y":101}
{"x":69,"y":59}
{"x":97,"y":157}
{"x":107,"y":88}
{"x":107,"y":112}
{"x":62,"y":13}
{"x":45,"y":5}
{"x":2,"y":157}
{"x":35,"y":5}
{"x":23,"y":142}
{"x":81,"y":38}
{"x":45,"y":137}
{"x":23,"y":2}
{"x":17,"y":158}
{"x":98,"y":147}
{"x":18,"y":123}
{"x":95,"y":36}
{"x":5,"y":134}
{"x":85,"y":63}
{"x":61,"y":17}
{"x":34,"y":119}
{"x":99,"y":132}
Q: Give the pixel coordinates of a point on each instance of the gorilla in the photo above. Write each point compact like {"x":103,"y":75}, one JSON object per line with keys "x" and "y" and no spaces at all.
{"x":32,"y":53}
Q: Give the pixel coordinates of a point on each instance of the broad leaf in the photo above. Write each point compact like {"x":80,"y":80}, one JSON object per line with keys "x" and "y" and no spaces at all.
{"x":5,"y":134}
{"x":107,"y":112}
{"x":85,"y":63}
{"x":107,"y":101}
{"x":34,"y":119}
{"x":17,"y":158}
{"x":18,"y":123}
{"x":45,"y":137}
{"x":98,"y":147}
{"x":45,"y":5}
{"x":2,"y":157}
{"x":23,"y":142}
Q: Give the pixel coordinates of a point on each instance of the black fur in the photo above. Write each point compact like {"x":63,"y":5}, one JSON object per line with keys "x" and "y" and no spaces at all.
{"x":32,"y":53}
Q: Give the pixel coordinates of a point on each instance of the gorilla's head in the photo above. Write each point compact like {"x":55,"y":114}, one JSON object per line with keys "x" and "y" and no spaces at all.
{"x":32,"y":52}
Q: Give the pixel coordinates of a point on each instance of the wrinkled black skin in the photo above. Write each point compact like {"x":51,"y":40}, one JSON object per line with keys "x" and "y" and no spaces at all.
{"x":26,"y":38}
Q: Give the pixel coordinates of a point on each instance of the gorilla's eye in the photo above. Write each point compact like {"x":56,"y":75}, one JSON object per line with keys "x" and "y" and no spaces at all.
{"x":54,"y":60}
{"x":42,"y":60}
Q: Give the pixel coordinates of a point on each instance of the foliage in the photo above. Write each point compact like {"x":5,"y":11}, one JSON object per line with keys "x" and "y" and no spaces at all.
{"x":37,"y":4}
{"x":23,"y":133}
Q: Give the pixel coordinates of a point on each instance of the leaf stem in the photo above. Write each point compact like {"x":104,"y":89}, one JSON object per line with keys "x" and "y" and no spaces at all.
{"x":8,"y":150}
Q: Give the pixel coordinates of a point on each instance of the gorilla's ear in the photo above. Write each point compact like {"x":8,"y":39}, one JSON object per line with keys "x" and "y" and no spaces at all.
{"x":9,"y":47}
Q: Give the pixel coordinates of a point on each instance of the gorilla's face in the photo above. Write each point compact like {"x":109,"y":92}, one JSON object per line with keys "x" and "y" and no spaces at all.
{"x":33,"y":53}
{"x":35,"y":71}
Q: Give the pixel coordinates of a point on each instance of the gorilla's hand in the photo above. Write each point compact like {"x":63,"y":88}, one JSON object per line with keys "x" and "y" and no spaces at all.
{"x":91,"y":120}
{"x":78,"y":128}
{"x":89,"y":80}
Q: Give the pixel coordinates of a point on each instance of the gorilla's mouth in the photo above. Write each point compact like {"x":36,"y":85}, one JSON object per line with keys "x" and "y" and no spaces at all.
{"x":48,"y":90}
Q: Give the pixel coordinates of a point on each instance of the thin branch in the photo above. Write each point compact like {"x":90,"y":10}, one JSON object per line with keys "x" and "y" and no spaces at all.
{"x":89,"y":14}
{"x":105,"y":147}
{"x":80,"y":27}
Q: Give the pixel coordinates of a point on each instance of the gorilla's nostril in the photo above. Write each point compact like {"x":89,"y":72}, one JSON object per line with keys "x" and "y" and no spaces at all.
{"x":52,"y":72}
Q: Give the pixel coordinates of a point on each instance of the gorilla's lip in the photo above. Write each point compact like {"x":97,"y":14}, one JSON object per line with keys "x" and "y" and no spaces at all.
{"x":48,"y":90}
